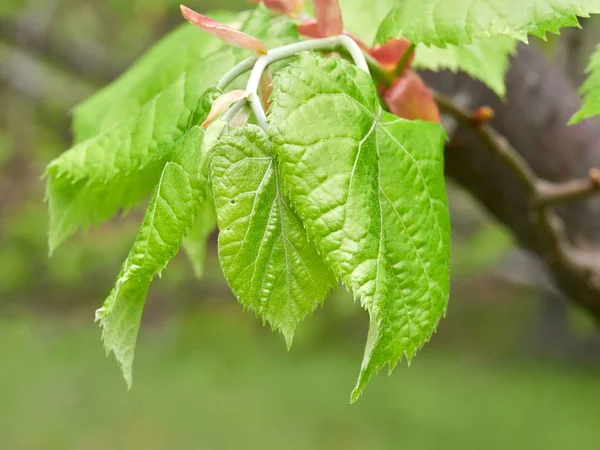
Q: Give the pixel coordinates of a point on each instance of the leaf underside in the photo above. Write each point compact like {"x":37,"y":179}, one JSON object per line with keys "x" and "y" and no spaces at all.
{"x":264,"y":252}
{"x":170,"y":215}
{"x":442,"y":22}
{"x":590,"y":90}
{"x":370,"y":191}
{"x":486,"y":60}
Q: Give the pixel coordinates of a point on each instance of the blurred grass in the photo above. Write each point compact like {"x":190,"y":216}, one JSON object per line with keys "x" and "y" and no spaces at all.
{"x":217,"y":381}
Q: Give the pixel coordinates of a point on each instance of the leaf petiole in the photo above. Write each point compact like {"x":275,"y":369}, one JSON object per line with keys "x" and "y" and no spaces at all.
{"x":259,"y":65}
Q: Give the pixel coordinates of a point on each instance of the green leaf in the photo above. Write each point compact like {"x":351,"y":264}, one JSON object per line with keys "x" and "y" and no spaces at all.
{"x":194,"y":243}
{"x":170,"y":215}
{"x":369,"y":188}
{"x":183,"y":50}
{"x":485,"y":59}
{"x":590,"y":90}
{"x":442,"y":22}
{"x":175,"y":54}
{"x":119,"y":168}
{"x":265,"y":255}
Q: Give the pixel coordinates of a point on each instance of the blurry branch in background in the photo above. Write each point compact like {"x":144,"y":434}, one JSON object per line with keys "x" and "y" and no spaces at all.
{"x":51,"y":88}
{"x":542,"y":196}
{"x":534,"y":173}
{"x":90,"y":62}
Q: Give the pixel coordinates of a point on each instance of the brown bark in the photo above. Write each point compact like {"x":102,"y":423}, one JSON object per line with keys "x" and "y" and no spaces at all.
{"x":540,"y":101}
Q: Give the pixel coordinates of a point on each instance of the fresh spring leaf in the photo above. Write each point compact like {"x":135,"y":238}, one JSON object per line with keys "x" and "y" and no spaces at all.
{"x":265,"y":255}
{"x":121,"y":166}
{"x":590,"y":90}
{"x":172,"y":211}
{"x":176,"y":53}
{"x":369,"y":189}
{"x":486,"y":60}
{"x":182,"y":51}
{"x":442,"y":22}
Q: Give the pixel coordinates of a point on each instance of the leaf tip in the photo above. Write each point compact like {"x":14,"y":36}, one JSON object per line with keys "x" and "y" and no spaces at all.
{"x":288,"y":334}
{"x":222,"y":103}
{"x":222,"y":31}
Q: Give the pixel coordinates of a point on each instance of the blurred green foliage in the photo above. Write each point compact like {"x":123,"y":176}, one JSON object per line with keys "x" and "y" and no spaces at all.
{"x":217,"y":382}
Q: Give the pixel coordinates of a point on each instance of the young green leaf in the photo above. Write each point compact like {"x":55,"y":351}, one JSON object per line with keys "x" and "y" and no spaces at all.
{"x":590,"y":90}
{"x":194,"y":243}
{"x":119,"y":168}
{"x":369,"y":189}
{"x":170,"y":215}
{"x":442,"y":22}
{"x":178,"y":52}
{"x":265,"y":255}
{"x":484,"y":59}
{"x":182,"y":51}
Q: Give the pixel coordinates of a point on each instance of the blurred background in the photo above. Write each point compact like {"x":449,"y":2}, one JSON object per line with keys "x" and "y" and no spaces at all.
{"x":512,"y":365}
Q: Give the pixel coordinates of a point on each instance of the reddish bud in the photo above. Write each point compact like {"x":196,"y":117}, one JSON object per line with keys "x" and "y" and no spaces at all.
{"x":410,"y":98}
{"x":329,"y":17}
{"x":309,"y":28}
{"x":594,"y":175}
{"x":221,"y":104}
{"x":223,"y":32}
{"x":482,"y":115}
{"x":390,"y":53}
{"x":290,"y":7}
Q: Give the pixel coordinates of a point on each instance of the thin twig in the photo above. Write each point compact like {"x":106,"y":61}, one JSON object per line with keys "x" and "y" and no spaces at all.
{"x":544,"y":194}
{"x":552,"y":193}
{"x":494,"y":142}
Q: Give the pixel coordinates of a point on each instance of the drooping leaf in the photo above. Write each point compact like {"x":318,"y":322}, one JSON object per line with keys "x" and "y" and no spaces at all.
{"x":176,"y":53}
{"x":486,"y":60}
{"x":265,"y":255}
{"x":369,"y":189}
{"x":590,"y":90}
{"x":181,"y":51}
{"x":119,"y":168}
{"x":442,"y":22}
{"x":172,"y":211}
{"x":195,"y":242}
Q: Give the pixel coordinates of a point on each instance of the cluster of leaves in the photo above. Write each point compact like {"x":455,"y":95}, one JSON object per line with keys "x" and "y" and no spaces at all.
{"x":335,"y":188}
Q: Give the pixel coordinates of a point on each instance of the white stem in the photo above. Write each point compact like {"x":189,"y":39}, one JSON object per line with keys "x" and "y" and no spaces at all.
{"x":277,"y":54}
{"x":234,"y":109}
{"x":235,"y":72}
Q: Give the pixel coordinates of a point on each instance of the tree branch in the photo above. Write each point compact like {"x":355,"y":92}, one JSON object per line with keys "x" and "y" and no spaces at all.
{"x":543,"y":194}
{"x":525,"y":168}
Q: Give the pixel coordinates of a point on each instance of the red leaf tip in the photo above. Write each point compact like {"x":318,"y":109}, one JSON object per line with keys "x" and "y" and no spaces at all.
{"x":222,"y":31}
